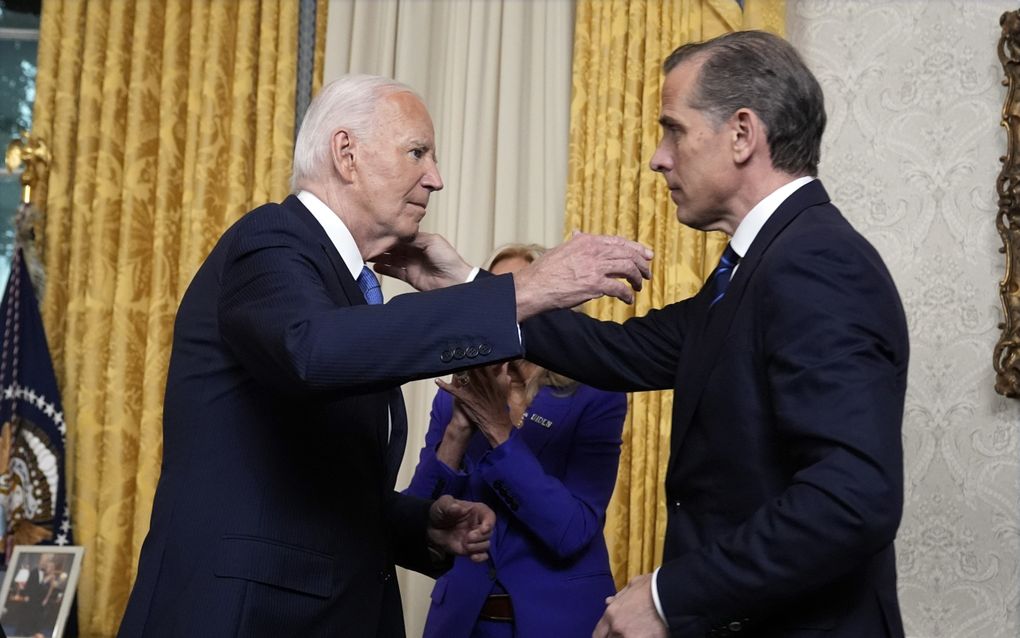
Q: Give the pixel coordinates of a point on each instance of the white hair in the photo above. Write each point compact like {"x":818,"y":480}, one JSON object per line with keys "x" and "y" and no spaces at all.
{"x":348,"y":102}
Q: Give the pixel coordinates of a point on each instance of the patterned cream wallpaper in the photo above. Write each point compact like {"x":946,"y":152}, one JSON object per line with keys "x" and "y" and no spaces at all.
{"x":911,"y":155}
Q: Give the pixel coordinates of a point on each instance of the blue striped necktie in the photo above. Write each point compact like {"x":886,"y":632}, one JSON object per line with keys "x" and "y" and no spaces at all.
{"x":370,"y":286}
{"x":723,"y":272}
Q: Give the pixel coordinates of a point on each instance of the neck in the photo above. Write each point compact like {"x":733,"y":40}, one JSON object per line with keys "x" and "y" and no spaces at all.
{"x":369,"y":245}
{"x":756,"y":186}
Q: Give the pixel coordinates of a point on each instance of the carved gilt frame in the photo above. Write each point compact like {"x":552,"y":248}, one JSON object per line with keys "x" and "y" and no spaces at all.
{"x":1007,"y":350}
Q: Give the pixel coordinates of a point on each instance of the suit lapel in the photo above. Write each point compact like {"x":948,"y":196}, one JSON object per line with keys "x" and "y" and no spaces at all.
{"x":541,"y":426}
{"x":535,"y":435}
{"x":697,"y":360}
{"x":391,"y":432}
{"x":348,"y":286}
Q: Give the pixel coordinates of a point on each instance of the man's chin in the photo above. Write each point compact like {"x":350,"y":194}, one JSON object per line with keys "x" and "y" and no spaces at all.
{"x":409,"y":235}
{"x":680,"y":217}
{"x":684,"y":217}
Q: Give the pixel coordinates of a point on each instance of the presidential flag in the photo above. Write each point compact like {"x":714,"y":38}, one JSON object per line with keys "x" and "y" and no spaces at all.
{"x":33,"y":500}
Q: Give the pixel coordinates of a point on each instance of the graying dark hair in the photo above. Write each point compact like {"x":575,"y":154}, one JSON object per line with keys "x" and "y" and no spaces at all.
{"x":764,"y":73}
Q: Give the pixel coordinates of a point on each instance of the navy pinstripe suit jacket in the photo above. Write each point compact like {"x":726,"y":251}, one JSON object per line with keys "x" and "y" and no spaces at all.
{"x":785,"y":480}
{"x":275,"y":513}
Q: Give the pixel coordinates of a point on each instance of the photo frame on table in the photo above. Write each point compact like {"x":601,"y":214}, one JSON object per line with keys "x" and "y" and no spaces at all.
{"x":38,"y":590}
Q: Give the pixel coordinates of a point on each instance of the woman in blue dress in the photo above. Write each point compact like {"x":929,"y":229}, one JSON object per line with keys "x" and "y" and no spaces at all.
{"x":542,"y":451}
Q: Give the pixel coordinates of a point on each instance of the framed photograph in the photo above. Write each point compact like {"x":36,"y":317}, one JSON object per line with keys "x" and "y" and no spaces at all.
{"x":38,"y":590}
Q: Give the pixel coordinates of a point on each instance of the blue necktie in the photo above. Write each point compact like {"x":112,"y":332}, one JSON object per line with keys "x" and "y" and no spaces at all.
{"x":370,"y":286}
{"x":723,"y":272}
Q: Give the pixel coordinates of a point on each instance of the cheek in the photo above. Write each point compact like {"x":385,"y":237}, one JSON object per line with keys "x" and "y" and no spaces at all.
{"x":688,"y":154}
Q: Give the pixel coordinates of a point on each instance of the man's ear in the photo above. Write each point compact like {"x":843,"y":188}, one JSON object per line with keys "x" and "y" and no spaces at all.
{"x":748,"y":133}
{"x":341,"y":147}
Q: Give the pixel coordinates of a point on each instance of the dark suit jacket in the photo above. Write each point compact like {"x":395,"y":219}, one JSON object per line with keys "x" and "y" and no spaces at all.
{"x":785,"y":481}
{"x":549,"y":484}
{"x":36,"y":587}
{"x":275,"y":513}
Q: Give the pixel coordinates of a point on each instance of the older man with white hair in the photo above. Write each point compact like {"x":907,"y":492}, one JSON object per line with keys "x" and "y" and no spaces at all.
{"x":284,"y":426}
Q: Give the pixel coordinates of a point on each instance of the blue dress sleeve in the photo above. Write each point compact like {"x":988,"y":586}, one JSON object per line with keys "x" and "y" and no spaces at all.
{"x":432,"y":478}
{"x":566,"y":513}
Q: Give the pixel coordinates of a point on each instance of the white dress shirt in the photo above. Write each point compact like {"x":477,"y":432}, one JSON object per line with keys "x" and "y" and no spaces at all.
{"x":337,"y":232}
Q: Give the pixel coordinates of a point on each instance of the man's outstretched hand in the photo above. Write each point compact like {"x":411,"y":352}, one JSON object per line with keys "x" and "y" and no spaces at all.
{"x":582,"y":268}
{"x":461,"y":527}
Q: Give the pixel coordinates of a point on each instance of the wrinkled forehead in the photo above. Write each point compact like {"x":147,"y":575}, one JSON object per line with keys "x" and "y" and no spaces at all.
{"x":403,"y":115}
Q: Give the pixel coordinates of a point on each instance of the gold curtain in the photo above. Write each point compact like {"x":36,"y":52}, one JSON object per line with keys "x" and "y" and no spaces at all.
{"x":167,"y":119}
{"x":619,"y":47}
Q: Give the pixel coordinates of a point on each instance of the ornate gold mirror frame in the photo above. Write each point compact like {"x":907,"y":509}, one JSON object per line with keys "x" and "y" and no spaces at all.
{"x":1007,"y":350}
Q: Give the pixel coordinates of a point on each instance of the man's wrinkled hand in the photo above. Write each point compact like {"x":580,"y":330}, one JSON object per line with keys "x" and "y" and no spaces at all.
{"x":631,"y":613}
{"x":461,"y":527}
{"x":427,"y":263}
{"x":582,"y":268}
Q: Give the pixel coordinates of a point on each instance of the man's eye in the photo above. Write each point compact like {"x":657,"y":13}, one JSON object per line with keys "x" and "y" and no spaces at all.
{"x":418,"y":153}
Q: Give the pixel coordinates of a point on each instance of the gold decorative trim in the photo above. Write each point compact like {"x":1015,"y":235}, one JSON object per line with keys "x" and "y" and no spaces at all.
{"x":1007,"y":350}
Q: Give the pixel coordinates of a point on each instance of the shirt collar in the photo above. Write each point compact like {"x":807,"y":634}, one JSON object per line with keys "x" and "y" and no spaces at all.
{"x":337,"y":232}
{"x":748,"y":228}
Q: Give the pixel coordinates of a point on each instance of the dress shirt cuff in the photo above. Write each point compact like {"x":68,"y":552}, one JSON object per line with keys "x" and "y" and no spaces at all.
{"x":655,"y":596}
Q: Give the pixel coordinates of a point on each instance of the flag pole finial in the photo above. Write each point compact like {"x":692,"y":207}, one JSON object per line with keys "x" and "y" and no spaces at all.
{"x":30,"y":152}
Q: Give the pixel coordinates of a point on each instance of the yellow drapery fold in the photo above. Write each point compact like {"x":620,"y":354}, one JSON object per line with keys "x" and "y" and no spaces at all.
{"x":319,"y":60}
{"x":619,"y":47}
{"x":167,"y":119}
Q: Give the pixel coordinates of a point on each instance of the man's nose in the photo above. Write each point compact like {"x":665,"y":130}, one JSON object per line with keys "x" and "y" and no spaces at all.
{"x":661,"y":161}
{"x":432,"y":179}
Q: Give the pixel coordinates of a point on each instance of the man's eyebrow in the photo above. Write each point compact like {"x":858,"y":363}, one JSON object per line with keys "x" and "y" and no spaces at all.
{"x":666,"y":121}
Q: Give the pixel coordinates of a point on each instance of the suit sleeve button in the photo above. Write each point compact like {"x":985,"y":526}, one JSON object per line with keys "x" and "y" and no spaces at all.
{"x":446,"y":357}
{"x":735,"y":626}
{"x":484,"y":349}
{"x":471,"y":352}
{"x":458,"y":353}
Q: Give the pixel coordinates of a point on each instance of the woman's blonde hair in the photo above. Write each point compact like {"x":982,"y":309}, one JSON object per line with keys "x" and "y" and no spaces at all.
{"x":529,"y":253}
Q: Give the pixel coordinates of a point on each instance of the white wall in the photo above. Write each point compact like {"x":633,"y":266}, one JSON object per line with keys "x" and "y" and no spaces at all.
{"x":910,"y":155}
